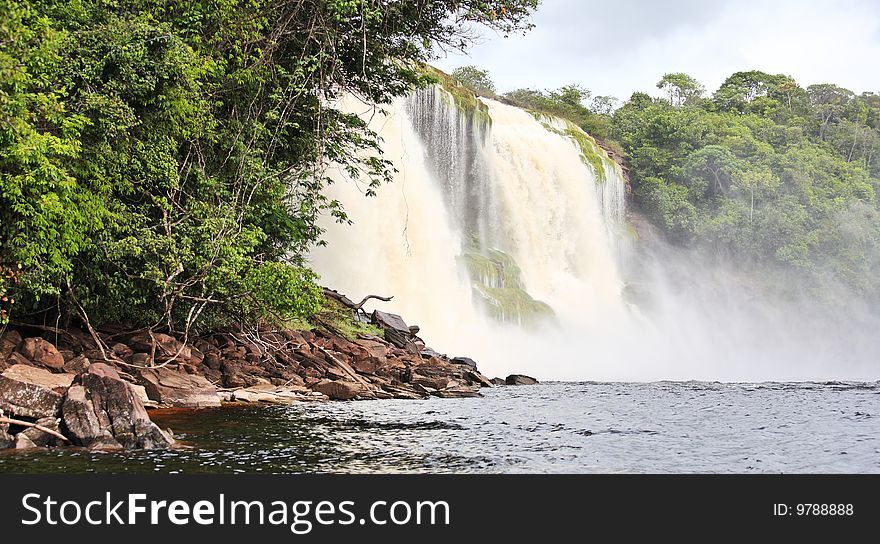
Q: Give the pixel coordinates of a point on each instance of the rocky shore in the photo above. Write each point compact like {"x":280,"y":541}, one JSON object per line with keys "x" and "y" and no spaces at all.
{"x":62,"y":388}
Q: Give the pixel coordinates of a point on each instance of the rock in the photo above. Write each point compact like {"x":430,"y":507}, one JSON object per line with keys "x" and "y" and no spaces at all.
{"x":337,"y":389}
{"x":520,"y":379}
{"x":396,"y":330}
{"x":83,"y":426}
{"x":103,"y":411}
{"x":23,"y":442}
{"x":433,"y":382}
{"x":6,"y":439}
{"x":166,"y":348}
{"x":121,"y":350}
{"x":77,"y":365}
{"x":405,"y":391}
{"x":498,"y":381}
{"x":31,"y":392}
{"x":459,"y":392}
{"x":174,"y":388}
{"x":465,"y":362}
{"x":478,"y":378}
{"x":41,"y":438}
{"x":41,"y":352}
{"x":8,"y":342}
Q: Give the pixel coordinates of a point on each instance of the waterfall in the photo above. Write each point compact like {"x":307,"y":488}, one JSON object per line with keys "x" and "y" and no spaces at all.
{"x":499,"y":225}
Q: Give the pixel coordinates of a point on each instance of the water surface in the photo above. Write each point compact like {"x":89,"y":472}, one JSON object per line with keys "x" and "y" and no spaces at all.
{"x":555,"y":427}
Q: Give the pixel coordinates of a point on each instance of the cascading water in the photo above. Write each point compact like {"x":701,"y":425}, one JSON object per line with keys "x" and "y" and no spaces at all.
{"x":492,"y":222}
{"x":501,"y":236}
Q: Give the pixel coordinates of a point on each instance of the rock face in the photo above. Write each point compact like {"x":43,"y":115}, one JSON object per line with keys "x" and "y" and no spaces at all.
{"x":31,"y":392}
{"x":338,"y":389}
{"x":41,"y":352}
{"x":104,"y":412}
{"x":520,"y":379}
{"x":174,"y":388}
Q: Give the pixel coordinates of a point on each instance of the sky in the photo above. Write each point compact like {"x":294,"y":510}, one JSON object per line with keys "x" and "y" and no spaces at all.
{"x":617,"y":47}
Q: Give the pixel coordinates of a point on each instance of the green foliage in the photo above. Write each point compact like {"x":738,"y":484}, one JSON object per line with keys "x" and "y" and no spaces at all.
{"x":764,"y":170}
{"x":571,"y":102}
{"x":164,"y":163}
{"x":475,"y":79}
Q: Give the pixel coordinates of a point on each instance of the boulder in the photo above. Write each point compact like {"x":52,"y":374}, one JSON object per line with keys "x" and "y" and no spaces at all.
{"x":41,"y":438}
{"x":520,"y":379}
{"x":457,"y":392}
{"x":479,"y":379}
{"x":338,"y":389}
{"x":498,"y":381}
{"x":104,"y":412}
{"x":23,"y":442}
{"x":31,"y":392}
{"x":167,"y":347}
{"x":466,"y":362}
{"x":174,"y":388}
{"x":77,"y":364}
{"x":6,"y":439}
{"x":41,"y":352}
{"x":8,"y":342}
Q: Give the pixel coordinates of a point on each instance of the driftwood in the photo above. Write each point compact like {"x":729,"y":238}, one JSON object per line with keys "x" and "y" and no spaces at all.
{"x":35,"y":426}
{"x":347,"y":302}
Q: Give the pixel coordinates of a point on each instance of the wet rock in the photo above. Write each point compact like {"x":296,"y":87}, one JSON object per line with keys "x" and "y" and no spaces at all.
{"x":338,"y":390}
{"x":31,"y":392}
{"x":457,"y":392}
{"x":41,"y":352}
{"x":105,"y":412}
{"x":498,"y":381}
{"x":520,"y":379}
{"x":174,"y":388}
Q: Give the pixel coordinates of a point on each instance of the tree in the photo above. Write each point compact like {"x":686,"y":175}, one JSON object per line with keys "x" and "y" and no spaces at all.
{"x":475,"y":79}
{"x":681,"y":88}
{"x":163,"y":164}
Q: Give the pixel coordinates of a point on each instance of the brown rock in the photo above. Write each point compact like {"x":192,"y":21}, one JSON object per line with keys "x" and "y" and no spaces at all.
{"x":338,"y":390}
{"x":498,"y":381}
{"x":103,"y":411}
{"x":8,"y":342}
{"x":175,"y":388}
{"x":41,"y":352}
{"x":23,"y":442}
{"x":479,"y":379}
{"x":520,"y":379}
{"x":27,"y":391}
{"x":42,"y":438}
{"x":466,"y":362}
{"x":77,"y":365}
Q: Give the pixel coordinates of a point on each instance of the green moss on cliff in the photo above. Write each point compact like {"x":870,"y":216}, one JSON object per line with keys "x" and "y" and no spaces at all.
{"x":497,"y":280}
